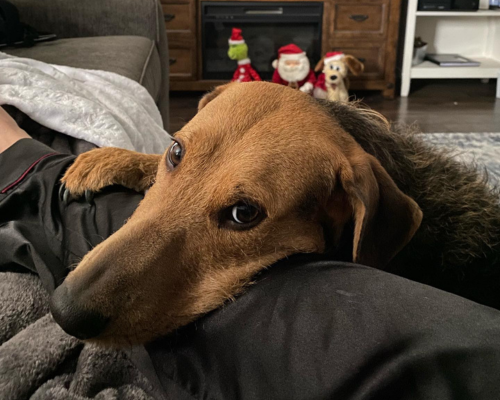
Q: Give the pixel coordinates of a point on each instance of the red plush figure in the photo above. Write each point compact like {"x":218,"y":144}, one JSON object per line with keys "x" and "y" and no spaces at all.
{"x":321,"y":85}
{"x":238,"y":50}
{"x":333,"y":83}
{"x":292,"y":69}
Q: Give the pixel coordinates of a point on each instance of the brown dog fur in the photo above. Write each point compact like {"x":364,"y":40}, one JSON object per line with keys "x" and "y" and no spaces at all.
{"x":457,"y":246}
{"x":325,"y":174}
{"x":86,"y":174}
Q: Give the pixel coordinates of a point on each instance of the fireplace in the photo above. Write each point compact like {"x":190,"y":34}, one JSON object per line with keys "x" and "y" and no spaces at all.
{"x":266,"y":27}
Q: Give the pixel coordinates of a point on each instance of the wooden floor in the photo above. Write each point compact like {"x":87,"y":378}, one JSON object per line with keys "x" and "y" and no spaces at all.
{"x":435,"y":106}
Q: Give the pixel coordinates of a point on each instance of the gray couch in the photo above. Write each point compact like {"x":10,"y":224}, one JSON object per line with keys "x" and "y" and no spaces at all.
{"x":123,"y":36}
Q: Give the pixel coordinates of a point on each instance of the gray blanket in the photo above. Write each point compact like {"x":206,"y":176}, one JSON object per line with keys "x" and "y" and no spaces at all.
{"x":39,"y":361}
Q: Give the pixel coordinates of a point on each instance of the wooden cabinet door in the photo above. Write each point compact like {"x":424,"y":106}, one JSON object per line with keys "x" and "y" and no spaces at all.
{"x":359,"y":19}
{"x":181,"y":62}
{"x":178,"y":17}
{"x":180,"y":23}
{"x":368,"y":30}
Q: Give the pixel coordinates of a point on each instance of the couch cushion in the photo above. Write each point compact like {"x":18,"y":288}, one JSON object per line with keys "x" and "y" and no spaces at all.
{"x":131,"y":56}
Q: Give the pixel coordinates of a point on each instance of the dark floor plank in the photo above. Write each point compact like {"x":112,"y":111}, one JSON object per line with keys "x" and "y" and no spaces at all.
{"x":183,"y":107}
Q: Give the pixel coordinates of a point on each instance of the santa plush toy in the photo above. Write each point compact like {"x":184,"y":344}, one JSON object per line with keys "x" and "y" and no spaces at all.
{"x":238,"y":50}
{"x":292,"y":69}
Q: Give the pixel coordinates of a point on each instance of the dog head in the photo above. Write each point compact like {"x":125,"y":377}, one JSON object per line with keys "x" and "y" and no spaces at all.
{"x":336,"y":70}
{"x":262,"y":172}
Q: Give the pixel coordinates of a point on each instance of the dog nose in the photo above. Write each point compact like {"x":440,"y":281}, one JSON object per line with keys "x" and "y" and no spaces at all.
{"x":73,"y":318}
{"x":333,"y":77}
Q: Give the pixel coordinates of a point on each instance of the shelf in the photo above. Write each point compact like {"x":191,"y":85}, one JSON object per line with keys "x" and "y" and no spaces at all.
{"x":478,"y":13}
{"x":489,"y":68}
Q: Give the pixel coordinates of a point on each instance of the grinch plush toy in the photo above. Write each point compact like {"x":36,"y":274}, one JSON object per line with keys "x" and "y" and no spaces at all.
{"x":292,"y":69}
{"x":238,"y":50}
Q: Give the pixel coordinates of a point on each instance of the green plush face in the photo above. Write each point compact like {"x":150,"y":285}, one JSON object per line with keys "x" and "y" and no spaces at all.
{"x":238,"y":51}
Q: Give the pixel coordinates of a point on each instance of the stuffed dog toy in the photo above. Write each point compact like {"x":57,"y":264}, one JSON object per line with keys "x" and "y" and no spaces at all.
{"x":263,"y":172}
{"x":333,"y":83}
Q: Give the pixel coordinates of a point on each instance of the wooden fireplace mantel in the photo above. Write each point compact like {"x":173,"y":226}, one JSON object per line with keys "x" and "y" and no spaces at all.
{"x":367,"y":29}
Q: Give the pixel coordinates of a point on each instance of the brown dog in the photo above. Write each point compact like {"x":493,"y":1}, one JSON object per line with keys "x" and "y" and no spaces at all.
{"x":262,"y":172}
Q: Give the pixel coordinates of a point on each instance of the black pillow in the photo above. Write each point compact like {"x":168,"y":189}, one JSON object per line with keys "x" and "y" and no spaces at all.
{"x":15,"y":33}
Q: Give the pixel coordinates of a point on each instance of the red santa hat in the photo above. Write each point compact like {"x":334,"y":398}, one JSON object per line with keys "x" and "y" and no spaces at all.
{"x":290,"y":52}
{"x":333,"y":56}
{"x":236,"y":37}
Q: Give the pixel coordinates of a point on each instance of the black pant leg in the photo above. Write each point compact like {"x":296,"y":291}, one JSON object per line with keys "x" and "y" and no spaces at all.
{"x":38,"y":232}
{"x":326,"y":330}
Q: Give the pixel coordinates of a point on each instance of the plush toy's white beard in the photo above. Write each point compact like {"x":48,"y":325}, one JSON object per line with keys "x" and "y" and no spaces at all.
{"x":293,"y":74}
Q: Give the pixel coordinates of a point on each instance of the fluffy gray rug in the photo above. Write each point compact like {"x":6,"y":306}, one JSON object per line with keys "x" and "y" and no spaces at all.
{"x":482,"y":149}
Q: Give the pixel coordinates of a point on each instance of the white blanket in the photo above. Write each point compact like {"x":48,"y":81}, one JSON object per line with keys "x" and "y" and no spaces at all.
{"x":100,"y":107}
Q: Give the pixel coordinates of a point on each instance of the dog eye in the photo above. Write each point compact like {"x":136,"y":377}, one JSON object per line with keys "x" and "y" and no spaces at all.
{"x":242,"y":215}
{"x":174,"y":155}
{"x":332,"y":67}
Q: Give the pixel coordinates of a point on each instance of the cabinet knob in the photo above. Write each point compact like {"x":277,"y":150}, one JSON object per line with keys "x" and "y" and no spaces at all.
{"x":169,"y":17}
{"x":172,"y":61}
{"x":358,"y":17}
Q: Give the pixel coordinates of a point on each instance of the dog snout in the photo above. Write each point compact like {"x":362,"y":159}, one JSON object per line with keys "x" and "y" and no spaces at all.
{"x":73,"y":318}
{"x":333,"y":77}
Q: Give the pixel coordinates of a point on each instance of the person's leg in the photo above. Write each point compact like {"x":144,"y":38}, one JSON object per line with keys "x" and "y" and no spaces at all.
{"x":10,"y":132}
{"x":57,"y":141}
{"x":38,"y":231}
{"x":327,"y":330}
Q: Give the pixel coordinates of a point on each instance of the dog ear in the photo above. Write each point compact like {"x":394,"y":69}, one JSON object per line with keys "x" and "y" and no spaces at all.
{"x":355,"y":66}
{"x":207,"y":98}
{"x":320,"y":65}
{"x":385,"y":219}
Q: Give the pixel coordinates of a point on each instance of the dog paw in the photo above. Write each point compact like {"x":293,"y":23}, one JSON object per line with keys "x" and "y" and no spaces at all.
{"x":91,"y":172}
{"x":66,"y":195}
{"x":96,"y":169}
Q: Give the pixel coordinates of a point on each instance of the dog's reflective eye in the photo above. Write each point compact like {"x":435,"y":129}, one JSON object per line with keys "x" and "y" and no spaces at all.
{"x":174,"y":155}
{"x":243,"y":213}
{"x":241,"y":216}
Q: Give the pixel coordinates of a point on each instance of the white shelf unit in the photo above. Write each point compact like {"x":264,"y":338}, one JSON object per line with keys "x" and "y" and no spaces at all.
{"x":478,"y":13}
{"x":473,"y":34}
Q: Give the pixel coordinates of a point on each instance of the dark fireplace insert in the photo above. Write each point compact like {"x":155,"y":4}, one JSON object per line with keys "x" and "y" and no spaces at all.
{"x":266,"y":27}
